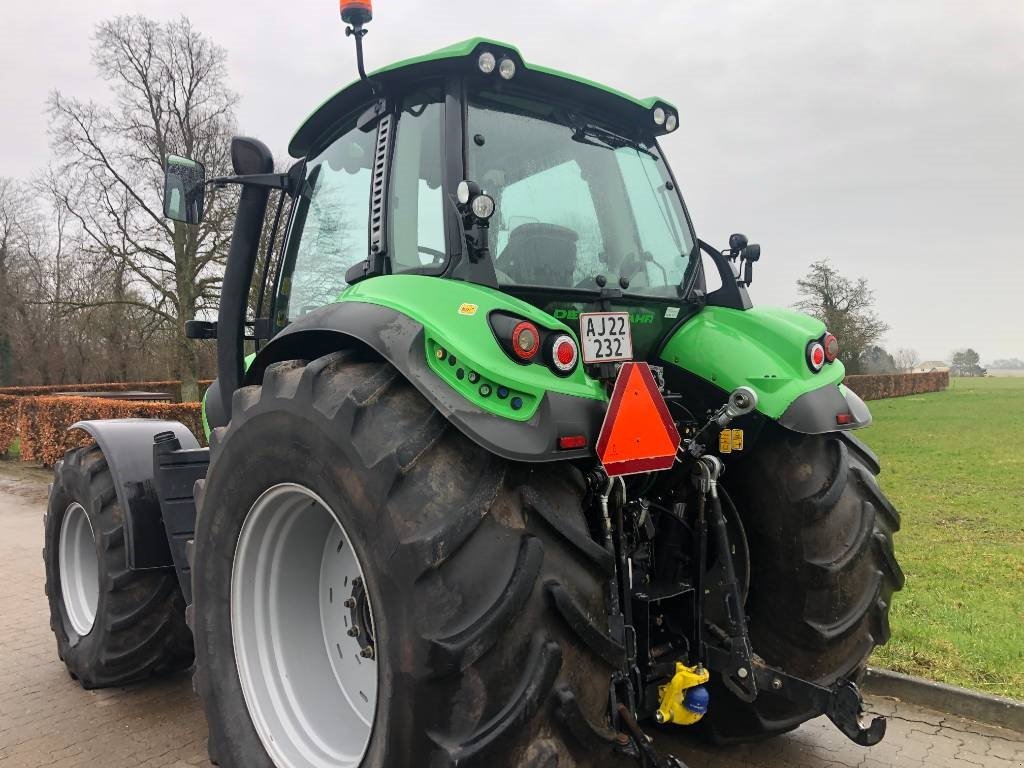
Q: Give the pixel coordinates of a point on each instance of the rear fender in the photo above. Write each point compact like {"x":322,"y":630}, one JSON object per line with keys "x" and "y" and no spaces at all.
{"x":127,"y":446}
{"x":436,"y":333}
{"x":720,"y":349}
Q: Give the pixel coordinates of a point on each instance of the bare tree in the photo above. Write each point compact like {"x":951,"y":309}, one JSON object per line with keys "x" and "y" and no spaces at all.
{"x":906,"y":359}
{"x":170,"y":96}
{"x":847,"y":307}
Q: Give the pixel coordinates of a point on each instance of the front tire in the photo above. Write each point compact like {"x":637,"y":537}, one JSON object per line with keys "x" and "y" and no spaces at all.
{"x":112,"y":625}
{"x":485,"y":589}
{"x":823,"y":570}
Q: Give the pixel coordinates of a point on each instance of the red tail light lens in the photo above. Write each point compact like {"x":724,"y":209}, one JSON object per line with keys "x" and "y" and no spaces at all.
{"x":569,"y":442}
{"x":525,"y":340}
{"x":815,"y":356}
{"x":831,"y":345}
{"x":564,"y":353}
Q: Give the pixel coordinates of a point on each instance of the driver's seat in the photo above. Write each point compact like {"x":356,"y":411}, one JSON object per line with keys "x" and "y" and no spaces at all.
{"x":540,"y":254}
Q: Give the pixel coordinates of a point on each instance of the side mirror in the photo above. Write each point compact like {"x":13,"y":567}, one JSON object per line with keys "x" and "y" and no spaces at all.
{"x":184,"y":189}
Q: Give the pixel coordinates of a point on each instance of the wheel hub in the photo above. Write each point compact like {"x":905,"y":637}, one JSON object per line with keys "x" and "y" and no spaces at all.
{"x":79,"y":569}
{"x":302,"y":630}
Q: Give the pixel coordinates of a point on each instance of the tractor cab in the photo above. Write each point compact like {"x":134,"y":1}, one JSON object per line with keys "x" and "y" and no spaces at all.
{"x":471,"y":164}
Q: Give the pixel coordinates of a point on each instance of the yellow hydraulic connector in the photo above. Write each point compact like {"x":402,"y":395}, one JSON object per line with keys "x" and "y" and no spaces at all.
{"x":684,"y":701}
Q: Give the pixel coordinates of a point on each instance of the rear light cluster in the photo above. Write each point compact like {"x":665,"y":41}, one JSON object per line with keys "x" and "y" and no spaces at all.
{"x":822,"y":351}
{"x":526,"y":343}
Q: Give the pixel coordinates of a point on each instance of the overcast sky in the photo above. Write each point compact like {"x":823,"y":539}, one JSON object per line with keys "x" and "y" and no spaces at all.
{"x":887,"y":136}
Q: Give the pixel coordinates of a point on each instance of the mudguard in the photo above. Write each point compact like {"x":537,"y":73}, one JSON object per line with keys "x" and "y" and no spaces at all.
{"x":720,"y":349}
{"x":127,"y":445}
{"x":437,"y":334}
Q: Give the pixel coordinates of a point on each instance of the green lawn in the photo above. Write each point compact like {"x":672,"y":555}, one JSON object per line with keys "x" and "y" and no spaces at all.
{"x":953,"y":463}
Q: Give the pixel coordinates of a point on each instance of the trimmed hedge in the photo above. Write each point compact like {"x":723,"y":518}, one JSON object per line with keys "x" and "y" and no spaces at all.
{"x":42,"y":422}
{"x":8,"y":421}
{"x":883,"y":385}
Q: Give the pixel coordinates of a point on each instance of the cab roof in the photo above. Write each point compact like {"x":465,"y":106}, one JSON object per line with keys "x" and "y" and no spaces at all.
{"x":452,"y":58}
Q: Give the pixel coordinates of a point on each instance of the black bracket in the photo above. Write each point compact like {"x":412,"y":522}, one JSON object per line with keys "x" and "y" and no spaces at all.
{"x":200,"y":329}
{"x":842,"y":703}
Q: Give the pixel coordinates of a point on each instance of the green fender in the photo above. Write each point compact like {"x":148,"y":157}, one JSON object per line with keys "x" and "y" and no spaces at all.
{"x":454,"y":314}
{"x":764,"y":348}
{"x":437,"y":334}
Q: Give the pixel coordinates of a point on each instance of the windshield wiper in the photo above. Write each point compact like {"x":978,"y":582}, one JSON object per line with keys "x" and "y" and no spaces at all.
{"x":596,"y":136}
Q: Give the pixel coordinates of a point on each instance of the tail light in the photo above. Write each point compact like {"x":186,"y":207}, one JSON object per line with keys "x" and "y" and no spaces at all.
{"x":831,"y":344}
{"x":815,"y":356}
{"x":525,"y":340}
{"x":563,"y":354}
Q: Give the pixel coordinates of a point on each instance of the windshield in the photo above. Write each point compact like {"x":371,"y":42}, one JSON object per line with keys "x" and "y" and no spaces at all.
{"x":575,"y":200}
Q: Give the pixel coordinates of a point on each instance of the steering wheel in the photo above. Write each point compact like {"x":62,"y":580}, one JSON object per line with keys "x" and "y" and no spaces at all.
{"x":438,"y":256}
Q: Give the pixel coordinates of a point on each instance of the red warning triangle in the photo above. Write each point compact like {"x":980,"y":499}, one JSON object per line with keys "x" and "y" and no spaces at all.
{"x":638,"y":434}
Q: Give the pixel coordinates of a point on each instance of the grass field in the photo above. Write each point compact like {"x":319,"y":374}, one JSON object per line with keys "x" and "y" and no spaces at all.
{"x":953,"y":463}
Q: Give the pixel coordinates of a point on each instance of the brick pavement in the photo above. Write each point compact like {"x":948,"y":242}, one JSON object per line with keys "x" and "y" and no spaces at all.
{"x":46,"y":719}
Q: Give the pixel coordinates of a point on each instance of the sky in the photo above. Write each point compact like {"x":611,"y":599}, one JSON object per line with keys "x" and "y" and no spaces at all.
{"x":885,"y":136}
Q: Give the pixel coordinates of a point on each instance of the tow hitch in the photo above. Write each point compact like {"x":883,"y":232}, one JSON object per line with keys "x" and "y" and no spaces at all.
{"x":842,"y":702}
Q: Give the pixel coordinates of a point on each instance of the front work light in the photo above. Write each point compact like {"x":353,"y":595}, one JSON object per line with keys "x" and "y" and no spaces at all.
{"x":671,"y":123}
{"x":507,"y":69}
{"x":483,"y":206}
{"x":659,"y":116}
{"x":486,"y":62}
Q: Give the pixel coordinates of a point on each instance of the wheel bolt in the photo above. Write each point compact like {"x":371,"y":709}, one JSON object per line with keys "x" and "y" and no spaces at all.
{"x":350,"y":603}
{"x":367,"y":652}
{"x":776,"y":683}
{"x":742,"y":673}
{"x":353,"y":632}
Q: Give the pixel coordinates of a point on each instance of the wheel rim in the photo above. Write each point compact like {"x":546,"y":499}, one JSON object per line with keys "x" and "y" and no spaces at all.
{"x":79,"y":569}
{"x":296,"y":593}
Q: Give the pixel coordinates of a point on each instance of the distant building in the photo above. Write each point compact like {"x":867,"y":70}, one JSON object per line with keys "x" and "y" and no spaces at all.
{"x":932,"y":365}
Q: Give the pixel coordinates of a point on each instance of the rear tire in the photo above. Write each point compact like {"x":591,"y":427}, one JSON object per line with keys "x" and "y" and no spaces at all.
{"x":113,"y":626}
{"x":485,"y":588}
{"x":823,"y":570}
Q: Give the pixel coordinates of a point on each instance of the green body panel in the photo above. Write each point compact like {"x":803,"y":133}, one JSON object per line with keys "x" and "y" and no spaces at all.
{"x":462,"y":50}
{"x":762,"y":348}
{"x":454,"y":317}
{"x":466,"y":47}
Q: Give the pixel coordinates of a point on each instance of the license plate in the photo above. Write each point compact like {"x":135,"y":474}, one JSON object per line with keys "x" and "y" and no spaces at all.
{"x":606,"y":337}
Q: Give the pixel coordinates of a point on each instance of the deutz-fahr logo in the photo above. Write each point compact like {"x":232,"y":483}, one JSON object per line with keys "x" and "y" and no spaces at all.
{"x":636,"y":317}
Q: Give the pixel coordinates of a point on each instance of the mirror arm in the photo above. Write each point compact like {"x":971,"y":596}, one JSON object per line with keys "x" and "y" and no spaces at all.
{"x":283,"y":181}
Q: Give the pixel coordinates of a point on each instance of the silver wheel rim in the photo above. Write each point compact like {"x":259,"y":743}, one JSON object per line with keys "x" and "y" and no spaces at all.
{"x":309,"y":687}
{"x":79,"y":569}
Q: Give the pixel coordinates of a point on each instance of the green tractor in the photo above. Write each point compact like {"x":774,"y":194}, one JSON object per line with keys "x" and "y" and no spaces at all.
{"x":500,"y":479}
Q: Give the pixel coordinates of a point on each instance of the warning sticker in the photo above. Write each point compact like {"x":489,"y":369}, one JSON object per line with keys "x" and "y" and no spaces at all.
{"x":730,"y":440}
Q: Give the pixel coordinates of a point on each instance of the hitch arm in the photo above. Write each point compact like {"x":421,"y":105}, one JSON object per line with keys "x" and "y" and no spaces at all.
{"x":842,"y":703}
